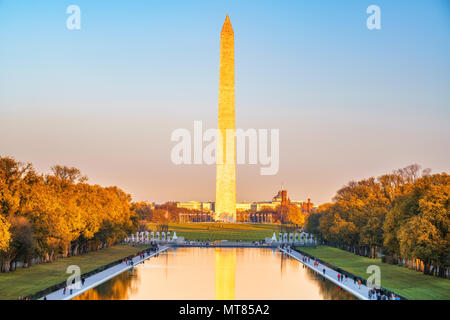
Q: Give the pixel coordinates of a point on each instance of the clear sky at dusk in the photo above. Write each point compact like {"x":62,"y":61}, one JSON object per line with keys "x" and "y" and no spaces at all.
{"x":349,"y":102}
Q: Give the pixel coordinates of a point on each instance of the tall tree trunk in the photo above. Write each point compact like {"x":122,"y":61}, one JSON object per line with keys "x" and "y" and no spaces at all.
{"x":442,"y":272}
{"x":75,"y":249}
{"x":6,"y":265}
{"x":426,"y":269}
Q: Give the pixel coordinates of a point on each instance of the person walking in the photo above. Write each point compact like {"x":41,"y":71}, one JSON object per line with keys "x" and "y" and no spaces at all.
{"x":64,"y":290}
{"x":359,"y":284}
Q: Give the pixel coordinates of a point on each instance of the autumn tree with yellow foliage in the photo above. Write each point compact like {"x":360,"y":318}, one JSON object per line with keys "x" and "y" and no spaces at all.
{"x":403,"y":216}
{"x":59,"y":214}
{"x":5,"y":235}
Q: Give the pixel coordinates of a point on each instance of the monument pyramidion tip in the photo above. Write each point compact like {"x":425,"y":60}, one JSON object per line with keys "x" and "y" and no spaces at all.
{"x":227,"y":25}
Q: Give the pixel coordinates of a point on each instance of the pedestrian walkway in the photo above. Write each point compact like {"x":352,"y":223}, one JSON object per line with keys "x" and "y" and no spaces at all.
{"x":361,"y":292}
{"x":98,"y":278}
{"x":227,"y":244}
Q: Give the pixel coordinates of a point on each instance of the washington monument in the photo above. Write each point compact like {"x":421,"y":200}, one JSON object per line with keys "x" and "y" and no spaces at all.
{"x":225,"y":207}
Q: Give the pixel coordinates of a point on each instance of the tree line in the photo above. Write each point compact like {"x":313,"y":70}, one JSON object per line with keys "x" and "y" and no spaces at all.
{"x":45,"y":216}
{"x":404,"y":217}
{"x":159,"y":213}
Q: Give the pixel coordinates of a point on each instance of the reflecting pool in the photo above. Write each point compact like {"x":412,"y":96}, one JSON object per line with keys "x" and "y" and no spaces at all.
{"x":218,"y":273}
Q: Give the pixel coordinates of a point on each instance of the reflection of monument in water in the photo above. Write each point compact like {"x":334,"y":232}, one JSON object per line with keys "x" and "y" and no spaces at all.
{"x":225,"y":273}
{"x":225,"y":206}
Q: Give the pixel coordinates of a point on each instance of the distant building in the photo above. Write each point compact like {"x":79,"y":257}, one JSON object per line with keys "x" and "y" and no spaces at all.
{"x":255,"y":217}
{"x":253,"y":212}
{"x":243,"y":206}
{"x":307,"y":207}
{"x":281,"y":198}
{"x":259,"y":206}
{"x":197,"y":206}
{"x":191,"y":205}
{"x":207,"y":206}
{"x":195,"y":217}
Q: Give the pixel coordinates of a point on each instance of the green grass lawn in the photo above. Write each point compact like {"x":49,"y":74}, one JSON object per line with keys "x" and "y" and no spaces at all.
{"x":401,"y":280}
{"x":221,"y":231}
{"x":26,"y":281}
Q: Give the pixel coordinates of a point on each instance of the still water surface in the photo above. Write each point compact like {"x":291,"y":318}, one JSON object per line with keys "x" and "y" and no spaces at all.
{"x":218,"y":273}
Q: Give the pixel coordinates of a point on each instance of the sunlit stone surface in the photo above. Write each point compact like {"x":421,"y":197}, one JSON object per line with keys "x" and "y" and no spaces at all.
{"x":225,"y":206}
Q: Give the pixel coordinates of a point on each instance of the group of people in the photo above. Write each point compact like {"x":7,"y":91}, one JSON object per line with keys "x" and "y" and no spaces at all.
{"x":341,"y":277}
{"x":129,"y":261}
{"x":83,"y":280}
{"x":306,"y":260}
{"x":381,"y":294}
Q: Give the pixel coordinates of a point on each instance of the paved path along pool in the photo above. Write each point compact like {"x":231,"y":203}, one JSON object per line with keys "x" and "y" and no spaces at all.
{"x":101,"y":277}
{"x":348,"y":285}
